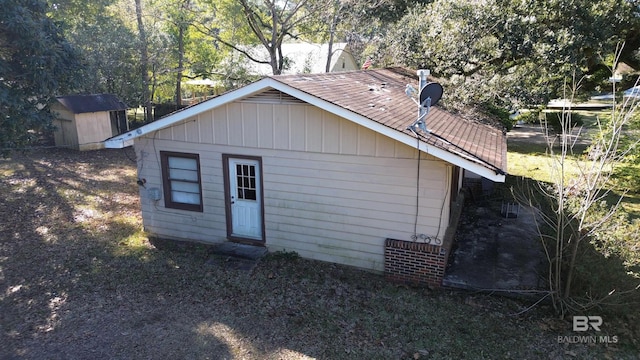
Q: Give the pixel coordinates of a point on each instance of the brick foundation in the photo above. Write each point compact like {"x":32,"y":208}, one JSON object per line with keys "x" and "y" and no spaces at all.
{"x":414,"y":263}
{"x":420,"y":263}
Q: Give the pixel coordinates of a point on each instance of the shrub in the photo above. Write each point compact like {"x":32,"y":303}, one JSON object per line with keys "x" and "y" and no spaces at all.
{"x":529,"y":117}
{"x":163,"y":109}
{"x":553,"y":119}
{"x":499,"y":113}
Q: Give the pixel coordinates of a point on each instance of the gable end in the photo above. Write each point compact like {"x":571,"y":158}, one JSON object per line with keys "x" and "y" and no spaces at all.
{"x":272,"y":96}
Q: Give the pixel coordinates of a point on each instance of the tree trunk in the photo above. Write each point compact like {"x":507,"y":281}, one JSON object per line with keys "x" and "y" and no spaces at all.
{"x":332,"y":30}
{"x":144,"y":64}
{"x":275,"y":48}
{"x":180,"y":64}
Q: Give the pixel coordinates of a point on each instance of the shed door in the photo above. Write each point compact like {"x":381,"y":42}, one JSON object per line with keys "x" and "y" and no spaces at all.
{"x":244,"y":199}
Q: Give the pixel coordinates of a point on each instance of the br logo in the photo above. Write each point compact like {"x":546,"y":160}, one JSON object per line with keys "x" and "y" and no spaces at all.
{"x":584,"y":323}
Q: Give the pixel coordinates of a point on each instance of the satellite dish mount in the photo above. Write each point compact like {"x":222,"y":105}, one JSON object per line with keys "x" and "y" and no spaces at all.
{"x":429,"y":95}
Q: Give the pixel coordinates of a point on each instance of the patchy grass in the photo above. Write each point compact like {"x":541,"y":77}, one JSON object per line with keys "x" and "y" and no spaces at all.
{"x":526,"y":162}
{"x":79,"y":279}
{"x":534,"y":166}
{"x":540,"y":166}
{"x":609,"y":264}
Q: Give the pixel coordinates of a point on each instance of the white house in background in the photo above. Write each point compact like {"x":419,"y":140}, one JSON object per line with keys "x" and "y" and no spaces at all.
{"x":304,"y":58}
{"x":325,"y":165}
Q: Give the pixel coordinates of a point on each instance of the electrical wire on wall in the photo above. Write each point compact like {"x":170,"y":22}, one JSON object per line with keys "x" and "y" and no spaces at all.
{"x":134,"y":159}
{"x":426,"y":238}
{"x":415,"y":224}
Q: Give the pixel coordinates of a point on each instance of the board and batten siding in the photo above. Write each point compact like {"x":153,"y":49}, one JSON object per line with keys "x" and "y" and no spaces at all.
{"x":333,"y":190}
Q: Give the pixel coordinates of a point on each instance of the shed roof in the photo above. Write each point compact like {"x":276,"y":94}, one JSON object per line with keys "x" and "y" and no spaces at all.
{"x":80,"y":104}
{"x":375,"y":99}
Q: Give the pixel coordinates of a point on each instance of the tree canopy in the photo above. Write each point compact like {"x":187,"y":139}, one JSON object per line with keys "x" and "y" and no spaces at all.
{"x":500,"y":53}
{"x":507,"y":52}
{"x":36,"y":63}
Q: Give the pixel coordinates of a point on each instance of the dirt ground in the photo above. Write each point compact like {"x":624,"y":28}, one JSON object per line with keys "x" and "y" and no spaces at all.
{"x":79,"y":280}
{"x":534,"y":134}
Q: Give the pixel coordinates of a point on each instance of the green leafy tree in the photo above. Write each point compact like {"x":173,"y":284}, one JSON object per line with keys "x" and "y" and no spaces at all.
{"x":106,"y":44}
{"x":240,"y":24}
{"x":36,"y":64}
{"x":507,"y":52}
{"x":177,"y":18}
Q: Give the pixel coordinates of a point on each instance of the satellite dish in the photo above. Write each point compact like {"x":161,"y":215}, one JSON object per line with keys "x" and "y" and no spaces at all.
{"x":431,"y":90}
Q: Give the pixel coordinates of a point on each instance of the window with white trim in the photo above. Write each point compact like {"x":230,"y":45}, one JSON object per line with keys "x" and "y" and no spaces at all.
{"x":181,"y":180}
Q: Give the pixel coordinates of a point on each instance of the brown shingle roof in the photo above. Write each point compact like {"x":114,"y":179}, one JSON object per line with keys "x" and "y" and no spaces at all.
{"x":379,"y":95}
{"x":80,"y":104}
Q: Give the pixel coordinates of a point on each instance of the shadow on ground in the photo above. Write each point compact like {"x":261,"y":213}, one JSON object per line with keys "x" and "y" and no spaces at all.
{"x":497,"y":249}
{"x":79,"y":280}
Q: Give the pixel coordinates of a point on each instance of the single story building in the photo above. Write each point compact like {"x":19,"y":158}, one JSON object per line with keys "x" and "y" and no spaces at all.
{"x":327,"y":165}
{"x":83,"y":122}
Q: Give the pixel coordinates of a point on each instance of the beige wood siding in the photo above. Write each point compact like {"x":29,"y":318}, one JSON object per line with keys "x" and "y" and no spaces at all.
{"x":65,"y":123}
{"x":93,"y":128}
{"x":333,"y":191}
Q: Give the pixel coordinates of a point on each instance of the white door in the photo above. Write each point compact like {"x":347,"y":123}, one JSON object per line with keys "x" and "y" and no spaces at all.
{"x":245,"y":196}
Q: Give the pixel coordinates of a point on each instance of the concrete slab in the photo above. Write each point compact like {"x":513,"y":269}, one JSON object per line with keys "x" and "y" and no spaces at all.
{"x":231,"y":262}
{"x":237,"y":250}
{"x":495,"y":253}
{"x":236,"y":256}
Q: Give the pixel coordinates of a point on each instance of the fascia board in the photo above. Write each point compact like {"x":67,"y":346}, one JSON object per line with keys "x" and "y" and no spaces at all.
{"x":461,"y":161}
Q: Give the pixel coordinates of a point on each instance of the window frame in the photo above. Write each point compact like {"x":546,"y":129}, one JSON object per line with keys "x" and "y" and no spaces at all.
{"x":166,"y":181}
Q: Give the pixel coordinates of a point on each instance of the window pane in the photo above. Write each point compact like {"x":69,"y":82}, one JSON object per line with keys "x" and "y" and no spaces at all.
{"x":177,"y":174}
{"x":245,"y":169}
{"x":250,"y":194}
{"x":238,"y":169}
{"x":181,"y":177}
{"x":240,"y":193}
{"x":183,"y":163}
{"x":185,"y":198}
{"x":185,"y":187}
{"x":252,"y":170}
{"x":246,"y":182}
{"x":253,"y":183}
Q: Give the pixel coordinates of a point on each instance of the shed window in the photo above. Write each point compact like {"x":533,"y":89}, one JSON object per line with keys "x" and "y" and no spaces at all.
{"x":181,"y":180}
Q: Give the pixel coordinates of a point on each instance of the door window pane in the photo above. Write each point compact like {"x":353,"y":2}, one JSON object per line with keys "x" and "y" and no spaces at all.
{"x":246,"y":181}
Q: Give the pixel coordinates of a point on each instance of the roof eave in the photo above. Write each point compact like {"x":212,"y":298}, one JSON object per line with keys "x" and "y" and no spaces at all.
{"x":468,"y":163}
